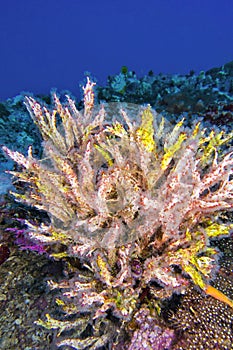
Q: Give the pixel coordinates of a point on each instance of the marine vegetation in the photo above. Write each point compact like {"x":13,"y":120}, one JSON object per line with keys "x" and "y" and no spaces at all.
{"x":133,"y":204}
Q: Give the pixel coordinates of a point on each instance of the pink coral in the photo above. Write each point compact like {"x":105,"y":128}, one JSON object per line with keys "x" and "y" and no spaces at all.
{"x":134,"y":200}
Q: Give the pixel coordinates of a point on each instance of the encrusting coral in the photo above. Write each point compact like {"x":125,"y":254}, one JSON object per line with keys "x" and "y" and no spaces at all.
{"x":204,"y":322}
{"x":135,"y":201}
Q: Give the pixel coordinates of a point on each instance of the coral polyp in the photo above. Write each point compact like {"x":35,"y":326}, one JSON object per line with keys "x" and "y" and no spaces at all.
{"x":135,"y":200}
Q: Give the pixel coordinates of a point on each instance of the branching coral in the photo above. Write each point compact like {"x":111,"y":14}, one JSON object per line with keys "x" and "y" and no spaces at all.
{"x":135,"y":200}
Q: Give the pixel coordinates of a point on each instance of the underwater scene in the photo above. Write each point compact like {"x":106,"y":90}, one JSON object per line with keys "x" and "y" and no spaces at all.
{"x":116,"y":215}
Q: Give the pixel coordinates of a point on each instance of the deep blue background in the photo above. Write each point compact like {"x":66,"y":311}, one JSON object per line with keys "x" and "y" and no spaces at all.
{"x":50,"y":43}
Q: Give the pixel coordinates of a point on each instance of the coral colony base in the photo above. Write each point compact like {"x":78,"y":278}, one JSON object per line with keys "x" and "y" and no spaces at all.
{"x":135,"y":202}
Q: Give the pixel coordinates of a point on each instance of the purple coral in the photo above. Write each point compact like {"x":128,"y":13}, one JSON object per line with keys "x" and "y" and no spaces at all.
{"x":23,"y":241}
{"x":150,"y":335}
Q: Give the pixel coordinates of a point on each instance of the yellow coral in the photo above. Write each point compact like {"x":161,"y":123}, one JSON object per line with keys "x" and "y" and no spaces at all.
{"x":145,"y":132}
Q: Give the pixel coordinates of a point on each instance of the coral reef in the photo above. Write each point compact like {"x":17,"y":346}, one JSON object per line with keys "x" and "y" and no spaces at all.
{"x":149,"y":335}
{"x":206,"y":93}
{"x":23,"y":298}
{"x":135,"y":203}
{"x":204,"y":323}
